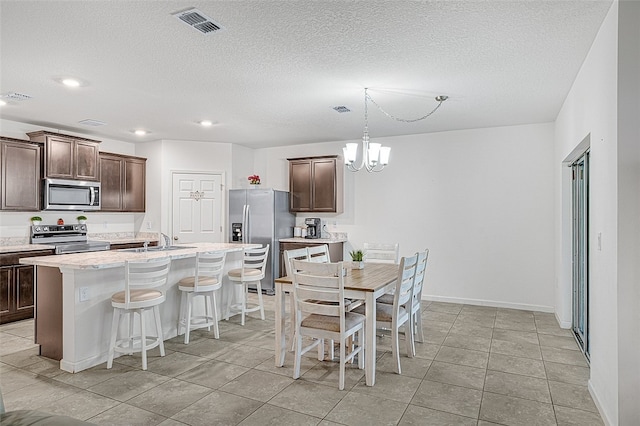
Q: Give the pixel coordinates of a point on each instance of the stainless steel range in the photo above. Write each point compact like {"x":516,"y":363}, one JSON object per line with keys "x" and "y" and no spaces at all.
{"x":66,"y":238}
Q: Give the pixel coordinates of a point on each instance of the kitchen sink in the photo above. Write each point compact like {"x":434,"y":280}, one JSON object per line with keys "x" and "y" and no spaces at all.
{"x":154,"y":248}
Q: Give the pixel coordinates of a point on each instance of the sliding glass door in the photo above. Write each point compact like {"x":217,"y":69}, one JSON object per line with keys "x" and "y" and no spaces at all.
{"x":580,"y":209}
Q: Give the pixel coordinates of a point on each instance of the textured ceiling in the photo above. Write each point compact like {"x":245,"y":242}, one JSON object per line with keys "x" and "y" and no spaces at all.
{"x":273,"y":75}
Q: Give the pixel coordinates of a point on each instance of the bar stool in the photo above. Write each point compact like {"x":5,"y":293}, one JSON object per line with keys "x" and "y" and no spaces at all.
{"x":206,"y":282}
{"x":139,"y":296}
{"x":253,"y":271}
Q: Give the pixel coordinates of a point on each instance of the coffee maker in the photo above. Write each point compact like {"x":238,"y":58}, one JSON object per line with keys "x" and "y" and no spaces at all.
{"x":313,"y":227}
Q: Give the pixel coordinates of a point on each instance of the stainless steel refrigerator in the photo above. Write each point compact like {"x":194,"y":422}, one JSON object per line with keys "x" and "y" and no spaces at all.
{"x":261,"y":216}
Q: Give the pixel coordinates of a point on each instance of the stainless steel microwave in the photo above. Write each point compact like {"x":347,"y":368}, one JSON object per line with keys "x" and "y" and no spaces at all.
{"x":62,"y":194}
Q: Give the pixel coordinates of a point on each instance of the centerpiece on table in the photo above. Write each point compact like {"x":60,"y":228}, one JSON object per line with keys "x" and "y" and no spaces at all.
{"x":254,"y":180}
{"x":357,"y":259}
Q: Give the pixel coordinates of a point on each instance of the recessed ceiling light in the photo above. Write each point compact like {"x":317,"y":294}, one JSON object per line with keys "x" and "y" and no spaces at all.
{"x":140,"y":132}
{"x":206,"y":123}
{"x":2,"y":103}
{"x":70,"y":82}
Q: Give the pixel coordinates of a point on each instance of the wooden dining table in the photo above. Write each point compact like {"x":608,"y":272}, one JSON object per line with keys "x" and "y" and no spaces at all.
{"x":363,"y":284}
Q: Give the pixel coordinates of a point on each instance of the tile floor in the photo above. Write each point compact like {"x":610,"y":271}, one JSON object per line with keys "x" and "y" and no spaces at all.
{"x":479,"y":366}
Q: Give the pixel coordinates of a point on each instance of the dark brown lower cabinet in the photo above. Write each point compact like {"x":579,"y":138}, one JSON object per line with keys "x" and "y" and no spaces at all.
{"x":17,"y":286}
{"x":17,"y":293}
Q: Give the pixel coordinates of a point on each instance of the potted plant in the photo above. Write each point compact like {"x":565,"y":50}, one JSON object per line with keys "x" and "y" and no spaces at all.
{"x":357,"y":259}
{"x":82,"y":219}
{"x":36,"y":220}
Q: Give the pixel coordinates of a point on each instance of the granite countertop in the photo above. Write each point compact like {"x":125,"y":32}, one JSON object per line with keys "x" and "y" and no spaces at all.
{"x":125,"y":240}
{"x":125,"y":237}
{"x":313,"y":240}
{"x":25,"y":247}
{"x":116,"y":258}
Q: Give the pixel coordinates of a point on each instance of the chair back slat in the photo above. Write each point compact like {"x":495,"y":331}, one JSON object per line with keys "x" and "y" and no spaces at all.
{"x":147,"y":274}
{"x":421,"y":269}
{"x":404,"y":284}
{"x":319,"y":253}
{"x":318,"y":288}
{"x":255,"y":259}
{"x":209,"y":264}
{"x":381,"y":253}
{"x":298,"y":254}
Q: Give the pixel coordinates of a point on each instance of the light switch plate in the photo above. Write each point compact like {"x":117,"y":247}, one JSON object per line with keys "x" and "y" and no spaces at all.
{"x":84,"y":294}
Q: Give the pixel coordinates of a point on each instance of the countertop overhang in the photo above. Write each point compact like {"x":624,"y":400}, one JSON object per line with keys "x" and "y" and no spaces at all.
{"x":312,"y":240}
{"x":116,"y":258}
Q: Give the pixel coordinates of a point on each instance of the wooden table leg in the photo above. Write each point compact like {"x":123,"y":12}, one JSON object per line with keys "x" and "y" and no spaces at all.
{"x":370,"y":340}
{"x":280,"y":326}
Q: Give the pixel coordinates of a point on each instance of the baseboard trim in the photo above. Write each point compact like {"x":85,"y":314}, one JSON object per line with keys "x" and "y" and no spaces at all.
{"x":596,"y":400}
{"x":563,"y":324}
{"x":76,"y":367}
{"x":492,"y":303}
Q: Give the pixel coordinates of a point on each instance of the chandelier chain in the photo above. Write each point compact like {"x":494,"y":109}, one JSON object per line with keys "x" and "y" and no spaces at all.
{"x":393,"y":117}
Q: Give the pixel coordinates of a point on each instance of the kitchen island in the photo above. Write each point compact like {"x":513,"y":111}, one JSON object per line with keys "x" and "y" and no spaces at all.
{"x":73,"y":298}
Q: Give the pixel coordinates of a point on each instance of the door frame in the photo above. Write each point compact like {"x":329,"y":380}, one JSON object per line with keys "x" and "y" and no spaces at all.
{"x":223,"y":200}
{"x":580,"y":250}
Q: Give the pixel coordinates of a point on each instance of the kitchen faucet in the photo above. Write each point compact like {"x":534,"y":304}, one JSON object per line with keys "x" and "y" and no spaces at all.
{"x":167,"y":240}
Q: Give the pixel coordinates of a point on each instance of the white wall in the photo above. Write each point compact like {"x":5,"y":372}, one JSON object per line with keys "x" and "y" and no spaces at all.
{"x":589,"y":111}
{"x":481,"y":200}
{"x":181,"y":156}
{"x":242,"y":166}
{"x":628,"y":250}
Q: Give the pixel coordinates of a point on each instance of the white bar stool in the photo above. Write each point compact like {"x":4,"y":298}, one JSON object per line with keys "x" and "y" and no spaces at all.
{"x":206,"y":282}
{"x":139,"y":296}
{"x":253,"y":271}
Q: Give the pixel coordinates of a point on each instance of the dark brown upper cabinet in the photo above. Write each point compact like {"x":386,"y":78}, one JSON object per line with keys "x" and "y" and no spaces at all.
{"x":123,"y":182}
{"x":21,"y":171}
{"x":316,"y":185}
{"x":68,"y":157}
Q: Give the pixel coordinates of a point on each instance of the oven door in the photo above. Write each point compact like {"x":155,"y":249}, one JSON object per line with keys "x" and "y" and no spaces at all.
{"x":61,"y":194}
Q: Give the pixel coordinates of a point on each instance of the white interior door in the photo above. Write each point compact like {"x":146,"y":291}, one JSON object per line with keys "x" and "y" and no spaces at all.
{"x":197,"y":207}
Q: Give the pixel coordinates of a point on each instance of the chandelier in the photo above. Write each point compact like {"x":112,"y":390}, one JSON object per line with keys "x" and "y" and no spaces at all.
{"x":374,"y":156}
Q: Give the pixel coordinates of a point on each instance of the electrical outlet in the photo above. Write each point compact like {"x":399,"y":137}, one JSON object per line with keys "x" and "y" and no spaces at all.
{"x":84,"y":294}
{"x":104,"y":224}
{"x":149,"y":224}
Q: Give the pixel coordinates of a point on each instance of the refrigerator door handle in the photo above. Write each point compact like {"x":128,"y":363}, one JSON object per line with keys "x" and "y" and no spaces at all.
{"x":244,"y":223}
{"x":248,"y":224}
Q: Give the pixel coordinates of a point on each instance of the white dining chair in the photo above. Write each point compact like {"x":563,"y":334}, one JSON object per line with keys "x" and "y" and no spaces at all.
{"x":206,"y":282}
{"x":254,"y":263}
{"x":320,"y":314}
{"x":141,"y":294}
{"x":416,"y":308}
{"x":381,"y":253}
{"x":398,"y":314}
{"x":288,"y":255}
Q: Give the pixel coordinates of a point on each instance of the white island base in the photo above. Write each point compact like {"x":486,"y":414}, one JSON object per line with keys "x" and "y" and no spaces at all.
{"x":77,"y":331}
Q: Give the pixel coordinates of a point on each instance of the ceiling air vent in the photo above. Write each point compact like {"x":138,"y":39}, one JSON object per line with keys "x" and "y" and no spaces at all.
{"x":198,"y":20}
{"x":341,"y":109}
{"x":14,"y":96}
{"x":90,"y":122}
